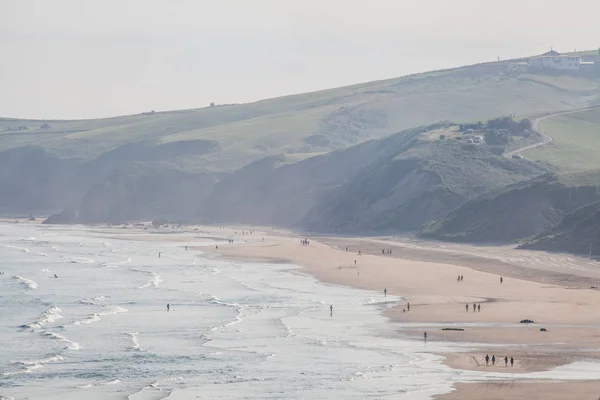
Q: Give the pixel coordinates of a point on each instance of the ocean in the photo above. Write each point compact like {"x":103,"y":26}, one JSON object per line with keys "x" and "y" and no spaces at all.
{"x":100,"y":329}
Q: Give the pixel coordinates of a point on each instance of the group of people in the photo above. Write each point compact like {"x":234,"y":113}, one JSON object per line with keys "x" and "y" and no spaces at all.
{"x":476,"y":307}
{"x":386,"y":251}
{"x":460,"y":278}
{"x":305,"y":242}
{"x":493,"y":359}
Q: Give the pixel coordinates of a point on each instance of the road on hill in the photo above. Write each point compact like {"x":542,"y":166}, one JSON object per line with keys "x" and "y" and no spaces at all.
{"x":545,"y":138}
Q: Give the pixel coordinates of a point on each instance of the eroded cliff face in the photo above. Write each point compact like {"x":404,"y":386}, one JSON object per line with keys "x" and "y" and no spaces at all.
{"x":516,"y":212}
{"x":578,"y":232}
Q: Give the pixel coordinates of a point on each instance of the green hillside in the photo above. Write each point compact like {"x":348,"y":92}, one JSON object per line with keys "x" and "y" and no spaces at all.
{"x":314,"y":123}
{"x":576,"y":140}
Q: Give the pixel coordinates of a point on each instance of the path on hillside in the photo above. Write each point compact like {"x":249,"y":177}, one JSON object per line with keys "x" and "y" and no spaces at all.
{"x":545,"y":138}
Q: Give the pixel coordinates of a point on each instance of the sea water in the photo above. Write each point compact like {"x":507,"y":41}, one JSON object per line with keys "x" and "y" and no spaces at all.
{"x":101,"y":328}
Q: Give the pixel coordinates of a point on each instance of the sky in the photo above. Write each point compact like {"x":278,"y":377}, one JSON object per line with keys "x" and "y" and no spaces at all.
{"x":91,"y":59}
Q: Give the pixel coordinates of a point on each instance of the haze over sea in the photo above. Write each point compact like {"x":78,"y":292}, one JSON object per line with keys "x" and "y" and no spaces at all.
{"x":100,"y":330}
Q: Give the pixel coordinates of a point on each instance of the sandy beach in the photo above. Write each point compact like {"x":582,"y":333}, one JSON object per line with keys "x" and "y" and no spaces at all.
{"x":427,"y":279}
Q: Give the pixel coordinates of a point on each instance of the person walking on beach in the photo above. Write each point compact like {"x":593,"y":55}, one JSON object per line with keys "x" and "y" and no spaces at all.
{"x":478,"y":307}
{"x":408,"y":306}
{"x":168,"y":307}
{"x":506,"y":361}
{"x":501,"y":280}
{"x":512,"y":361}
{"x":474,"y":307}
{"x":493,"y":359}
{"x":159,"y":254}
{"x":487,"y":359}
{"x":331,"y":310}
{"x":385,"y":292}
{"x":467,"y":307}
{"x":458,"y":278}
{"x":425,"y":336}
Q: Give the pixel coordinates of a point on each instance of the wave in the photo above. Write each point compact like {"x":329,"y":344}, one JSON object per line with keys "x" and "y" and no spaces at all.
{"x":71,"y":344}
{"x":28,"y":283}
{"x":49,"y":316}
{"x":134,"y":339}
{"x":82,"y":260}
{"x":164,"y":393}
{"x":97,"y":316}
{"x":23,"y":249}
{"x":30,"y":366}
{"x":155,"y":281}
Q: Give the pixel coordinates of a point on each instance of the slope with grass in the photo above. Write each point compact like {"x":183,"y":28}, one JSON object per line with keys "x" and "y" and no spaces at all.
{"x":398,"y":183}
{"x":518,"y":211}
{"x":575,"y":140}
{"x":317,"y":122}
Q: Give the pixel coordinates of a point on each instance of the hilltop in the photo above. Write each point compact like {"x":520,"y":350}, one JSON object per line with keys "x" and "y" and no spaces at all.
{"x":304,"y":125}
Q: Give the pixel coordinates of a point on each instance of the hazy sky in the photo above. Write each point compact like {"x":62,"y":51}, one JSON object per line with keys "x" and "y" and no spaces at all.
{"x":85,"y":58}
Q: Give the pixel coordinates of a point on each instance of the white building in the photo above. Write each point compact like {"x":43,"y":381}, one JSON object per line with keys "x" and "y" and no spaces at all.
{"x":570,"y":63}
{"x":555,"y":61}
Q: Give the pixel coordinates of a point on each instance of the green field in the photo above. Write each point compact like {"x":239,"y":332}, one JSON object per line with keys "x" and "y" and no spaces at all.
{"x":576,"y":141}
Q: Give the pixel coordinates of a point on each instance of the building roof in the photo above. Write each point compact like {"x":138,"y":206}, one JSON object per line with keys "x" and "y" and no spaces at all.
{"x":551,"y":53}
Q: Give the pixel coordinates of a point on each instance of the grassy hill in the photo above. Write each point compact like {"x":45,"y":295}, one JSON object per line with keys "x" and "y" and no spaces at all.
{"x":395,"y":183}
{"x":315,"y":123}
{"x":518,"y":211}
{"x":576,"y":140}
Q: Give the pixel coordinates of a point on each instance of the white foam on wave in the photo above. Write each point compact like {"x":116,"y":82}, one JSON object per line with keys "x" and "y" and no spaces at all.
{"x":98,"y":298}
{"x":23,"y":249}
{"x":45,"y":270}
{"x":155,"y":281}
{"x":97,"y":316}
{"x":49,"y":316}
{"x":28,"y":366}
{"x":82,"y":260}
{"x":71,"y":345}
{"x":28,"y":283}
{"x":135,"y":340}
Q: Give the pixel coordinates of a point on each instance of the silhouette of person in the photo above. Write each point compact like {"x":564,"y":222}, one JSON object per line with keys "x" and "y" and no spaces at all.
{"x":512,"y":361}
{"x":506,"y":361}
{"x":331,"y":310}
{"x":493,"y":359}
{"x":487,"y":359}
{"x":408,"y":306}
{"x":425,"y":336}
{"x":478,"y":307}
{"x":467,"y":307}
{"x":385,"y":292}
{"x":168,"y":307}
{"x":501,"y":280}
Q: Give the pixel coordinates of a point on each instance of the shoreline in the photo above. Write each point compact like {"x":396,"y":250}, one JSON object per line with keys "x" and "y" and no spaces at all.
{"x":437,"y":300}
{"x":425,"y":274}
